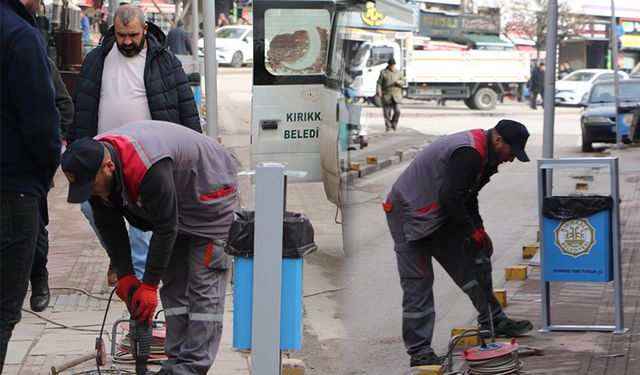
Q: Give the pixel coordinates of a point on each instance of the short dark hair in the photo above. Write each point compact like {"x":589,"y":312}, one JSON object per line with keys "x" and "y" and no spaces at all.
{"x":180,"y":23}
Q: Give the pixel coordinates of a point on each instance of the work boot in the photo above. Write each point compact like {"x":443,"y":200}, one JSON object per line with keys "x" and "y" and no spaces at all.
{"x":112,"y":278}
{"x":425,"y":360}
{"x":40,"y":293}
{"x":507,"y":327}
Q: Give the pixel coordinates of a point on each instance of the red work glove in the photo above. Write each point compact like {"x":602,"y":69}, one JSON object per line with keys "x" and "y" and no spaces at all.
{"x":124,"y":286}
{"x":144,"y":302}
{"x":482,"y":240}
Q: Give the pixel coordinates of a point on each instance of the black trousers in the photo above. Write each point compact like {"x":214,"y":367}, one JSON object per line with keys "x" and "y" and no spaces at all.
{"x":39,"y":268}
{"x":19,"y":219}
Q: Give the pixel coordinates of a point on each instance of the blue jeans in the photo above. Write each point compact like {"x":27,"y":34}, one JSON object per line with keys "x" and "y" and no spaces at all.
{"x":138,"y":240}
{"x":19,"y":223}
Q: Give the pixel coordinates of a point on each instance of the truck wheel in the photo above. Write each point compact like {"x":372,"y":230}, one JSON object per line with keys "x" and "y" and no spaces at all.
{"x":586,"y":144}
{"x":469,"y":103}
{"x":485,"y":99}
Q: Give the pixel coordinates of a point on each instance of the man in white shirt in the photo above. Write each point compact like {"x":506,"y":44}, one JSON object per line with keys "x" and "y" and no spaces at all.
{"x":137,"y":80}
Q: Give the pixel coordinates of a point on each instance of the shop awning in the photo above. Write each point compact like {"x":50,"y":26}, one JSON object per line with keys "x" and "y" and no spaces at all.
{"x":490,"y":42}
{"x":630,"y":41}
{"x":148,"y":6}
{"x":440,"y":45}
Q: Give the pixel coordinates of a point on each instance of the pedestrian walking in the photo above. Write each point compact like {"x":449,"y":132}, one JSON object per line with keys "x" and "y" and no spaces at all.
{"x":389,"y":89}
{"x":537,"y":85}
{"x":182,"y":186}
{"x":432,"y":212}
{"x":178,"y":40}
{"x":30,"y":146}
{"x":129,"y":77}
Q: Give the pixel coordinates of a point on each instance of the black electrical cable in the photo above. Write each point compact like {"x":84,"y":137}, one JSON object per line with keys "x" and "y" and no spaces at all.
{"x":104,"y":321}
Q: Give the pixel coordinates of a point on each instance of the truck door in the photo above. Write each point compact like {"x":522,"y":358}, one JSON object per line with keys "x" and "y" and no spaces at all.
{"x":291,"y":40}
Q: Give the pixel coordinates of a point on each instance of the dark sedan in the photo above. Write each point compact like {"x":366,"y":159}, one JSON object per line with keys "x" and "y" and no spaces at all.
{"x":598,"y":119}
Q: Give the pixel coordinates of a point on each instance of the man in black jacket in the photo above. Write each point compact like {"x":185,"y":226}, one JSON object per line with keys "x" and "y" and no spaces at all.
{"x":131,"y":77}
{"x":29,"y":153}
{"x":537,"y":85}
{"x":178,"y":40}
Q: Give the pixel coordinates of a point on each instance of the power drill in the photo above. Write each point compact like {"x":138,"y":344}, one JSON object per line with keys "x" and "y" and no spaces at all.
{"x":483,"y":275}
{"x":140,"y":334}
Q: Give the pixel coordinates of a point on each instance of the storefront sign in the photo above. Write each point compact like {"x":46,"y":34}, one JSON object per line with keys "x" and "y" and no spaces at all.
{"x":439,"y":25}
{"x":471,"y":23}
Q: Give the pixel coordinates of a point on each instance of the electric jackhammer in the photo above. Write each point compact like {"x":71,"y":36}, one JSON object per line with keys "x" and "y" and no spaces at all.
{"x":140,"y":333}
{"x":483,"y":272}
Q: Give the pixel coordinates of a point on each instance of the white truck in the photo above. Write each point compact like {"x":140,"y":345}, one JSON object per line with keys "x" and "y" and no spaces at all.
{"x":478,"y":77}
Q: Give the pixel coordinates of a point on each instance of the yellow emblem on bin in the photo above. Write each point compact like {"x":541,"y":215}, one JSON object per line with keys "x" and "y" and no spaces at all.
{"x":575,"y":237}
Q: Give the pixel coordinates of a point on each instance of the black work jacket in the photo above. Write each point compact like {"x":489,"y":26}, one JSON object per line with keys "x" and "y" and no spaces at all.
{"x":168,"y":92}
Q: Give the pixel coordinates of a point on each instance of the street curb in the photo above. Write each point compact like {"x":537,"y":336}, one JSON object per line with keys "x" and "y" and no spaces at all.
{"x":406,"y":113}
{"x":399,"y":156}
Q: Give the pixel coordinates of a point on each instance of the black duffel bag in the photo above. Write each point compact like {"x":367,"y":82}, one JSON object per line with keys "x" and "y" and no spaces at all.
{"x":297,"y":236}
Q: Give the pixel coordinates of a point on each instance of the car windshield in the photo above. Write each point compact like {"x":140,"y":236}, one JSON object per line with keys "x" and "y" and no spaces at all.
{"x":230,"y":33}
{"x":579,"y":76}
{"x":604,"y":93}
{"x":360,"y":56}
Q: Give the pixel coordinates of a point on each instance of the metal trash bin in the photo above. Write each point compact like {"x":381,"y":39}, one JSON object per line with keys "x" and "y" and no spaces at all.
{"x":297,"y":242}
{"x":577,"y":238}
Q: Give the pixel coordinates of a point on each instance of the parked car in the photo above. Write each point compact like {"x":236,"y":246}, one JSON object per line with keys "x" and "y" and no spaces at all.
{"x":234,"y":45}
{"x":598,"y":118}
{"x":571,"y":89}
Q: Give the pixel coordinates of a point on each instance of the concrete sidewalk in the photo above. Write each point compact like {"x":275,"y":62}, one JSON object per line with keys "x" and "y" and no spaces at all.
{"x":78,"y":262}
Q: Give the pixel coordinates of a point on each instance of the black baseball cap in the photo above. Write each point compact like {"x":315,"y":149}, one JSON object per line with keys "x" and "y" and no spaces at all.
{"x":516,"y":135}
{"x":80,"y":164}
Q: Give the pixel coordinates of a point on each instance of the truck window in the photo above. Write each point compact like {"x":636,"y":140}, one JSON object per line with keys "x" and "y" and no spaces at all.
{"x":296,"y":41}
{"x":380,"y":55}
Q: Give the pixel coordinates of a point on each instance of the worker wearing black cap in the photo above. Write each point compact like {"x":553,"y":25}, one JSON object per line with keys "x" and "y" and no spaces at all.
{"x":389,"y":90}
{"x":432,"y":211}
{"x":182,"y":186}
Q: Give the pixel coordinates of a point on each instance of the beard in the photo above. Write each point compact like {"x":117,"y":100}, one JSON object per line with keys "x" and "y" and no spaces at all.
{"x":132,"y":49}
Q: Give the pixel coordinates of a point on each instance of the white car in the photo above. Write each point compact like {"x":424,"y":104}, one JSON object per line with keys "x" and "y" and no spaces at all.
{"x":571,"y":89}
{"x":234,"y":45}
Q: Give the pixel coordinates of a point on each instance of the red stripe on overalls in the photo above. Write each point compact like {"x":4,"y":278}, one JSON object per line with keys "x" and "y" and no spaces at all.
{"x":207,"y":256}
{"x":217,"y":194}
{"x":430,"y":207}
{"x":478,"y":140}
{"x":135,"y":161}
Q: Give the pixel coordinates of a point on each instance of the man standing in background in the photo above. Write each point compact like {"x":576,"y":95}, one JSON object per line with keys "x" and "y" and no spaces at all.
{"x":537,"y":85}
{"x":30,"y":146}
{"x":389,"y":90}
{"x":178,"y":40}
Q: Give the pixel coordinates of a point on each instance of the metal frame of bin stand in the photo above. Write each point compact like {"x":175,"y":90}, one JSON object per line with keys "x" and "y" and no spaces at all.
{"x":271,"y":192}
{"x":545,"y":166}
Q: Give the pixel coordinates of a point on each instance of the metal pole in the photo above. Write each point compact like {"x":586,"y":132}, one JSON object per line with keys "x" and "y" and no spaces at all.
{"x":616,"y":248}
{"x":614,"y":63}
{"x":267,"y":269}
{"x":544,"y":288}
{"x":550,"y":80}
{"x":194,"y":29}
{"x":210,"y":67}
{"x":113,"y":4}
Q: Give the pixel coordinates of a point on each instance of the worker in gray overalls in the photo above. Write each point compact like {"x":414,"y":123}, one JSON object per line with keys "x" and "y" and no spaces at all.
{"x":432,"y":211}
